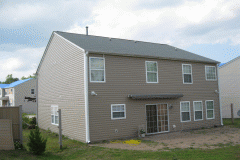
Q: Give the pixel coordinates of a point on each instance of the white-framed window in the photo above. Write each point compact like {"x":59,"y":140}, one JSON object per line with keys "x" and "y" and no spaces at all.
{"x":198,"y":110}
{"x":10,"y":102}
{"x":151,"y":72}
{"x":118,"y":111}
{"x":54,"y":114}
{"x":0,"y":102}
{"x":210,"y":73}
{"x":97,"y":69}
{"x":187,"y":73}
{"x":32,"y":91}
{"x":185,"y":111}
{"x":210,"y":109}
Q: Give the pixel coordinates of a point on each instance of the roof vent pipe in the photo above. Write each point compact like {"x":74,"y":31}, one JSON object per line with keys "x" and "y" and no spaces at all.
{"x":86,"y":30}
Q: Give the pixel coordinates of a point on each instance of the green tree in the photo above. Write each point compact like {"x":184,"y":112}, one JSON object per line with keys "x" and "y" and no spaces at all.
{"x":27,"y":77}
{"x":10,"y":79}
{"x":36,"y":143}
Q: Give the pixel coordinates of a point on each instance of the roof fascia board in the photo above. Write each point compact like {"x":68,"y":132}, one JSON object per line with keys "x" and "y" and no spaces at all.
{"x":163,"y":58}
{"x":49,"y":42}
{"x":46,"y":49}
{"x":229,"y":62}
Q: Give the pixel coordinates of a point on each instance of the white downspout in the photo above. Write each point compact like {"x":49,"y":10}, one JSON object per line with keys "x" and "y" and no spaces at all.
{"x":86,"y":96}
{"x":219,"y":96}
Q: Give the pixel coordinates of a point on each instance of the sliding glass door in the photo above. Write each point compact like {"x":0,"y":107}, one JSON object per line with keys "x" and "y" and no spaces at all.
{"x":157,"y":118}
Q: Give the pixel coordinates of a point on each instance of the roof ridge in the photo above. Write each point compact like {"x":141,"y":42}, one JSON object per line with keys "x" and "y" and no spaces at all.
{"x":115,"y":38}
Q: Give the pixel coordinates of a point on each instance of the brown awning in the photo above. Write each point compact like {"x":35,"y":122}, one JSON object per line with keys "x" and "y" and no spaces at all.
{"x":4,"y":98}
{"x":155,"y":96}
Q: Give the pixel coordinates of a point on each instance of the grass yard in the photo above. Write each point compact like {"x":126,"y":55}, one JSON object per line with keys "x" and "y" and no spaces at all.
{"x":76,"y":150}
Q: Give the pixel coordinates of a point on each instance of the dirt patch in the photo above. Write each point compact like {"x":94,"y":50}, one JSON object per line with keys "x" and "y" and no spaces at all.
{"x":204,"y":139}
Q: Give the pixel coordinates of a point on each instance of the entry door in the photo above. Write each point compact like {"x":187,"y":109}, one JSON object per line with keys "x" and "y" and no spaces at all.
{"x":157,"y":118}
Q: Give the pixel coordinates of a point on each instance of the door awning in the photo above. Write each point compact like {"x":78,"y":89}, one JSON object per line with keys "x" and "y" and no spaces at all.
{"x":155,"y":96}
{"x":4,"y":98}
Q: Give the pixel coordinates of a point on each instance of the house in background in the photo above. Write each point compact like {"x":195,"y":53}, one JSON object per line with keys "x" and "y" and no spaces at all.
{"x":229,"y":80}
{"x":22,"y":92}
{"x":107,"y":88}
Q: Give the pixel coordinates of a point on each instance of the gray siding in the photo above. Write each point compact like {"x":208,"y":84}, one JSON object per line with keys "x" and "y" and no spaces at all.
{"x":24,"y":90}
{"x":126,"y":75}
{"x":61,"y":82}
{"x":229,"y":76}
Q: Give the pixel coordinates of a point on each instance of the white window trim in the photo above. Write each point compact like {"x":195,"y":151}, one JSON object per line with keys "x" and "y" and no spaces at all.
{"x":150,"y":71}
{"x":54,"y":106}
{"x":181,"y":111}
{"x":104,"y":73}
{"x":0,"y":103}
{"x":206,"y":73}
{"x":33,"y":91}
{"x":112,"y":111}
{"x":209,"y":109}
{"x":197,"y":110}
{"x":183,"y":74}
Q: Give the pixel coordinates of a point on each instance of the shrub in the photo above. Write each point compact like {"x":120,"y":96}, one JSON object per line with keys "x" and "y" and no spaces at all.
{"x":18,"y":145}
{"x":32,"y":127}
{"x":24,"y":125}
{"x":36,"y":144}
{"x":33,"y":121}
{"x":25,"y":119}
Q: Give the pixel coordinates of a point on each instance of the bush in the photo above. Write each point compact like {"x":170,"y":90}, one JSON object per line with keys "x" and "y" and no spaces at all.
{"x":36,"y":144}
{"x":18,"y":145}
{"x":32,"y":127}
{"x":33,"y":121}
{"x":25,"y":119}
{"x":24,"y":125}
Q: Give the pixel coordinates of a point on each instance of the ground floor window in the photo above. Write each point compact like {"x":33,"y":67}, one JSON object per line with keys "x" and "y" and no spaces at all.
{"x":118,"y":111}
{"x":54,"y":114}
{"x":185,"y":111}
{"x":210,"y":109}
{"x":198,"y":110}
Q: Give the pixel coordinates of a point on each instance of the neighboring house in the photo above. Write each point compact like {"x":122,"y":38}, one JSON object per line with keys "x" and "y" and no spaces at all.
{"x":22,"y":92}
{"x":108,"y":88}
{"x":229,"y":81}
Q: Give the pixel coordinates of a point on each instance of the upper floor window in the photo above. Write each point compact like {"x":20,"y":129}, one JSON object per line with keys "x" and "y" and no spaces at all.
{"x":187,"y":73}
{"x":210,"y":73}
{"x":151,"y":72}
{"x":32,"y":91}
{"x":97,"y":69}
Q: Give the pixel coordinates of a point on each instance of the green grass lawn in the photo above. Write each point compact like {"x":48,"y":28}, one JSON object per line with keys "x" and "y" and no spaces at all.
{"x":228,"y":121}
{"x":76,"y":150}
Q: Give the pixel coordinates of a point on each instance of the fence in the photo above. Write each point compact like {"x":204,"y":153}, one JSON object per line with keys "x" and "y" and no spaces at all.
{"x":15,"y":114}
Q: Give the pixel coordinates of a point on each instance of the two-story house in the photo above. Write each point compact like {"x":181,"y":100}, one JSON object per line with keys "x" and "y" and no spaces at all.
{"x":229,"y":75}
{"x":108,"y":87}
{"x":21,"y":92}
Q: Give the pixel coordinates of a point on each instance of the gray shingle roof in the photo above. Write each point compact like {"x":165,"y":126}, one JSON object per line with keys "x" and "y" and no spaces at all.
{"x":129,"y":47}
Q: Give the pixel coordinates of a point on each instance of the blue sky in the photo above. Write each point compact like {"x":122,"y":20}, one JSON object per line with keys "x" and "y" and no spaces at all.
{"x":210,"y":28}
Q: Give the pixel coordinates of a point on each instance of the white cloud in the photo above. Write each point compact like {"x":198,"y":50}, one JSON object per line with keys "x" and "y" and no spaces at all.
{"x":22,"y":62}
{"x":166,"y":25}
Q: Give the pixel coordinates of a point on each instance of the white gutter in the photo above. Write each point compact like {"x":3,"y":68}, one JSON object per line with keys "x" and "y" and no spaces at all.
{"x":219,"y":97}
{"x":86,"y":96}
